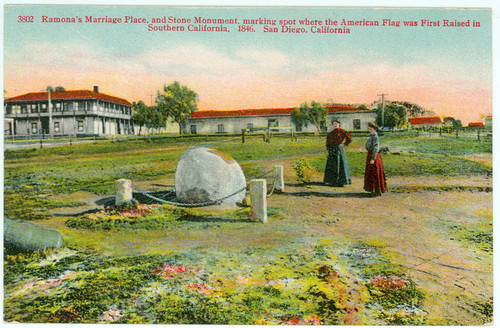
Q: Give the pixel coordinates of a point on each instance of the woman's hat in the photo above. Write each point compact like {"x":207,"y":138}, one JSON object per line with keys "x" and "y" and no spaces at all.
{"x":335,"y":120}
{"x":373,"y":125}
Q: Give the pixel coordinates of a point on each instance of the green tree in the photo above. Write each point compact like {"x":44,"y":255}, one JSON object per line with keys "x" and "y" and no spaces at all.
{"x":457,"y":124}
{"x":147,"y":116}
{"x":177,"y":102}
{"x":314,"y":114}
{"x":52,"y":89}
{"x":140,"y":114}
{"x":158,"y":119}
{"x":394,"y":116}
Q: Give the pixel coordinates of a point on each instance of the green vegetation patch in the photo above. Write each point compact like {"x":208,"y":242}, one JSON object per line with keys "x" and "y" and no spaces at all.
{"x":485,"y":309}
{"x":479,"y":236}
{"x":165,"y":216}
{"x":255,"y":287}
{"x":394,"y":296}
{"x":411,"y":164}
{"x":28,"y":206}
{"x":445,"y":145}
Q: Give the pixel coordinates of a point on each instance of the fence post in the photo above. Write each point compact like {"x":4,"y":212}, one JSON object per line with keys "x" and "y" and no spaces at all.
{"x":258,"y":200}
{"x":123,"y":189}
{"x":479,"y":134}
{"x":279,"y":176}
{"x":242,"y":135}
{"x":456,"y":134}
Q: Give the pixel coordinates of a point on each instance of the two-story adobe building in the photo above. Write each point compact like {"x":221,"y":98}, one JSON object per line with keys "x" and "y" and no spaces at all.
{"x":233,"y":121}
{"x":60,"y":113}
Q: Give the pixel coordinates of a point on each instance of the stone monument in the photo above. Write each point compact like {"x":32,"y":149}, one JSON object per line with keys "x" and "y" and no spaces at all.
{"x":205,"y":175}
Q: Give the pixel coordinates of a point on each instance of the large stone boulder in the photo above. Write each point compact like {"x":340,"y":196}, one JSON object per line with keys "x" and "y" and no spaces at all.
{"x":28,"y":236}
{"x":205,"y":174}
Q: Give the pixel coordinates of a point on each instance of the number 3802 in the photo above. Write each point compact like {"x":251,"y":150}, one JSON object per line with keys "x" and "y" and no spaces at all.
{"x":25,"y":19}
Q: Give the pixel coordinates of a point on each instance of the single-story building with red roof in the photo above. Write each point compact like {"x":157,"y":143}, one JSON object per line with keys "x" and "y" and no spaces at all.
{"x":425,"y":121}
{"x":476,"y":125}
{"x":234,"y":121}
{"x":75,"y":112}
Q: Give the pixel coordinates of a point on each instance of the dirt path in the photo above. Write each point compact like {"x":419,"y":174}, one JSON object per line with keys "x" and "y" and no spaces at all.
{"x":412,"y":228}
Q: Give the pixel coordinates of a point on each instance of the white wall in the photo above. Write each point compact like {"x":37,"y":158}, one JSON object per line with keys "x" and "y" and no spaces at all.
{"x":236,"y":124}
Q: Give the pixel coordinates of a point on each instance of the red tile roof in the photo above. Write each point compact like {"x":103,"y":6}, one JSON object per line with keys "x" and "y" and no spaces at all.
{"x":264,"y":111}
{"x":474,"y":124}
{"x":448,"y":118}
{"x":425,"y":120}
{"x":68,"y":95}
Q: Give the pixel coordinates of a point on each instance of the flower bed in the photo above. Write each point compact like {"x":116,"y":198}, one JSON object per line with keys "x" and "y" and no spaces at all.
{"x":283,"y":288}
{"x":143,"y":216}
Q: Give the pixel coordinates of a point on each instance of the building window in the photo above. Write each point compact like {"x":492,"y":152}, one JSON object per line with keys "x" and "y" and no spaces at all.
{"x":250,"y":127}
{"x":58,"y":107}
{"x":57,"y":127}
{"x":273,"y":122}
{"x":356,"y":124}
{"x":220,"y":128}
{"x":193,"y":129}
{"x":34,"y":128}
{"x":80,"y":126}
{"x":24,"y":109}
{"x":298,"y":128}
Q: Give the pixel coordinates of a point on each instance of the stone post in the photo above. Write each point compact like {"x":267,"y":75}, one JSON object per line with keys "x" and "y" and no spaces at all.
{"x":258,"y":200}
{"x":279,"y":176}
{"x":123,"y":189}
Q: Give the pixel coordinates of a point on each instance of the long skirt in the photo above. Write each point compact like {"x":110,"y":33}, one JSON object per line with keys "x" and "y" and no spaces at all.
{"x":374,"y":175}
{"x":337,"y":172}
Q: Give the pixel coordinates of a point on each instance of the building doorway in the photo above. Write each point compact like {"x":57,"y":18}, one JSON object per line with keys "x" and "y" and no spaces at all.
{"x":45,"y":129}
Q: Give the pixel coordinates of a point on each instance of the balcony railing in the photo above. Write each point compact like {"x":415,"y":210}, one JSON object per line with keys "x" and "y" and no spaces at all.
{"x":115,"y":114}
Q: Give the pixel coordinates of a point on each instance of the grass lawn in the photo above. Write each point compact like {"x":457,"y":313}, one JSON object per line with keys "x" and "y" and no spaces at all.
{"x":163,"y":264}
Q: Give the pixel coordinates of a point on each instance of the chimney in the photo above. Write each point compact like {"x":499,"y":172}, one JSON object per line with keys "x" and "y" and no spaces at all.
{"x":96,"y":89}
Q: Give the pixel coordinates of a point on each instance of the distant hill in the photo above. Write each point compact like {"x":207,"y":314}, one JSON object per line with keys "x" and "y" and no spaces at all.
{"x":413,"y":110}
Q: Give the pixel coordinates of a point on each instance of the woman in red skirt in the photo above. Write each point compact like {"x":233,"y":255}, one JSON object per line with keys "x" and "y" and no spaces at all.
{"x":374,"y":170}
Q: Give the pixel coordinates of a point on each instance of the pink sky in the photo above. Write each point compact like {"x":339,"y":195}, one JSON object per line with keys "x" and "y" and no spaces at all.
{"x":255,"y":79}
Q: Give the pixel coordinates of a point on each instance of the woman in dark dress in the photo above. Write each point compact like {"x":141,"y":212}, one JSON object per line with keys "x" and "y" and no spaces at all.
{"x":375,"y":182}
{"x":337,"y":172}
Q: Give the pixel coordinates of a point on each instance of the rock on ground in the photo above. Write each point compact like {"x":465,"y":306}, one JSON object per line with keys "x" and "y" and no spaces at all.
{"x":207,"y":175}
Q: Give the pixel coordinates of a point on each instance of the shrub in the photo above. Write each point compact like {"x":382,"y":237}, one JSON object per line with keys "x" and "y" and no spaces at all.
{"x":303,"y":170}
